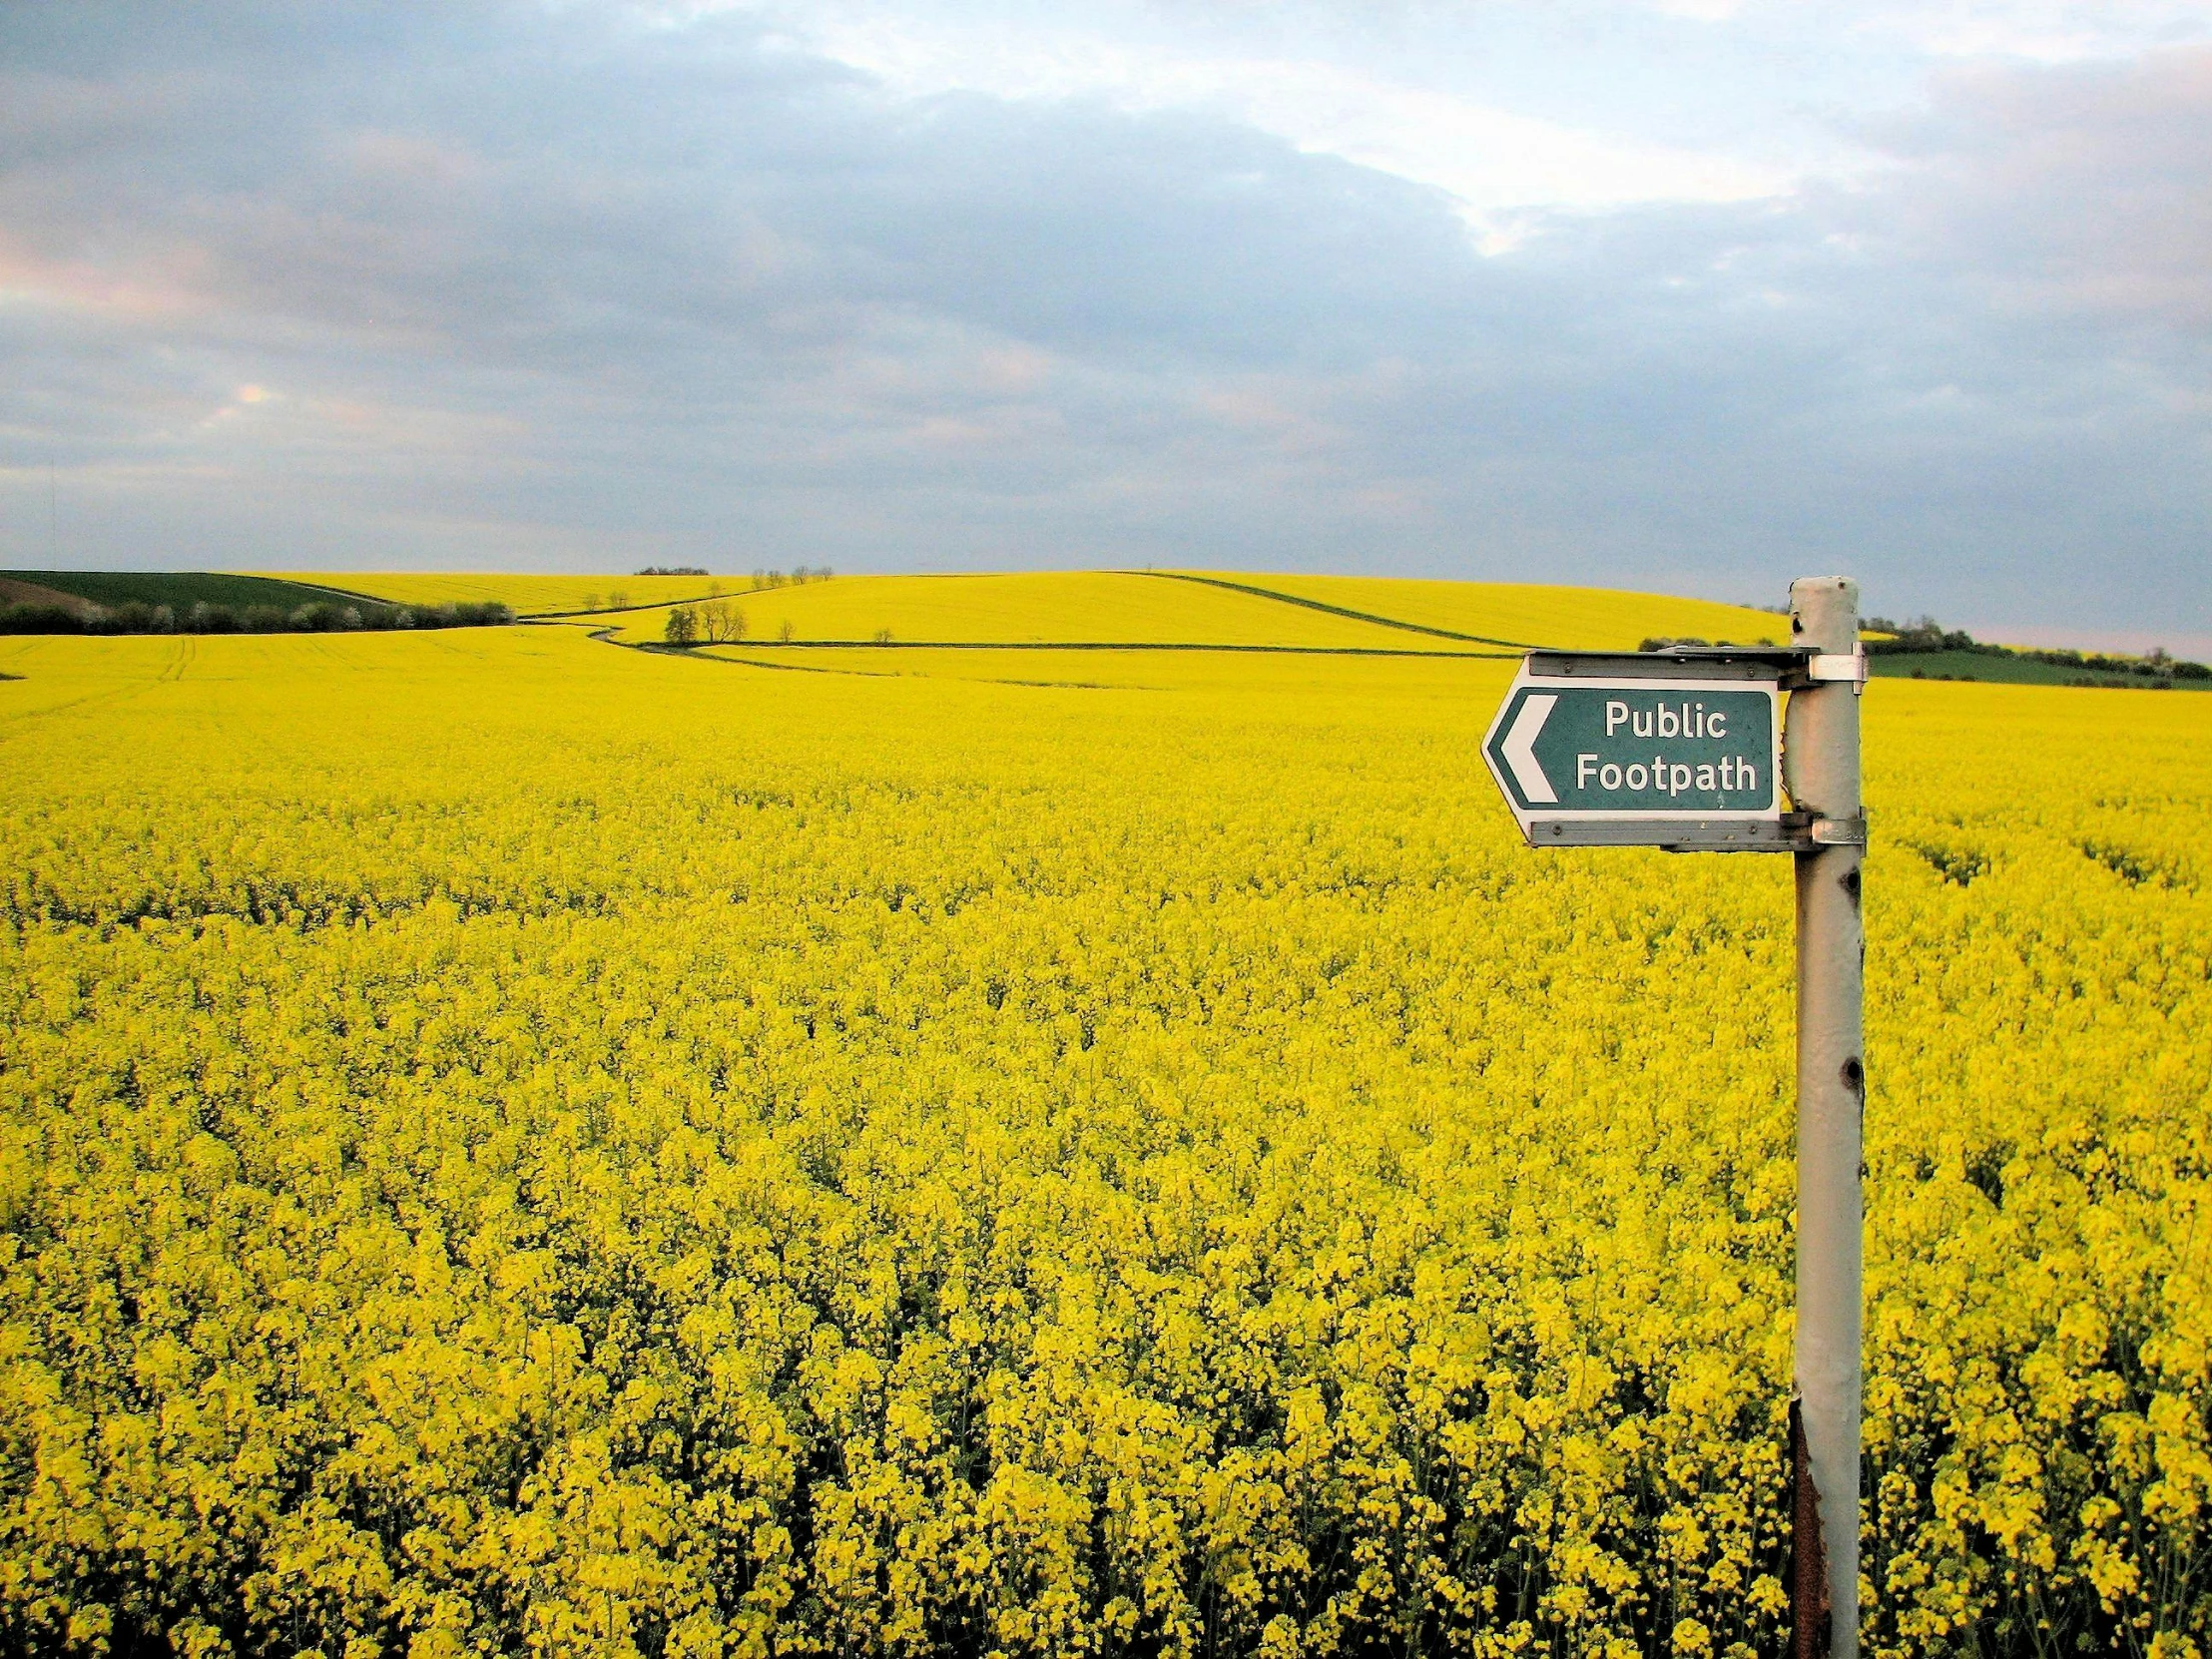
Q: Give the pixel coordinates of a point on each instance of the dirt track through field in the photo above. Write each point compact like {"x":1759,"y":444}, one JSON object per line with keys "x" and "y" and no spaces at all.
{"x":13,"y":592}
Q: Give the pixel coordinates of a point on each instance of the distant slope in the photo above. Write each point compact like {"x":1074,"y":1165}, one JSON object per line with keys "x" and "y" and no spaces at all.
{"x":1277,"y":596}
{"x":2011,"y":671}
{"x":15,"y":591}
{"x":527,"y":595}
{"x":180,"y":590}
{"x":1581,"y":618}
{"x":1042,"y":608}
{"x":1117,"y":607}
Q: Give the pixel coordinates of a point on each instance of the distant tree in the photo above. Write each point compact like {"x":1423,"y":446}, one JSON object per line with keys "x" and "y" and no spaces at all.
{"x":882,"y":636}
{"x":721,"y":623}
{"x":318,"y":616}
{"x":787,"y":632}
{"x":618,"y":598}
{"x":133,"y":616}
{"x":40,"y":619}
{"x":682,"y":627}
{"x":483,"y":614}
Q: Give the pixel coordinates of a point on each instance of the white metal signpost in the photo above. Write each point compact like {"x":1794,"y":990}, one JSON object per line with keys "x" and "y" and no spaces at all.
{"x":1692,"y":750}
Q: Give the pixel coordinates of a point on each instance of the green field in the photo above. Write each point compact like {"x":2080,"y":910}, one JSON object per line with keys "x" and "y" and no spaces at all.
{"x":178,"y":589}
{"x":2011,"y":671}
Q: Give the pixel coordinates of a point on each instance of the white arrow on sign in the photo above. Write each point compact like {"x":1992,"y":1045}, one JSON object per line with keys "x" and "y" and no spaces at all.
{"x":1520,"y":749}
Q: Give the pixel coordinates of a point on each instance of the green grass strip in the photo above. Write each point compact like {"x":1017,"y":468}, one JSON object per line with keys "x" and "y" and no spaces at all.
{"x":1335,"y":610}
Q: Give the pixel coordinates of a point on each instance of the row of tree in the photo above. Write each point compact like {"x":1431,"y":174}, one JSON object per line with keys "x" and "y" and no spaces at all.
{"x":319,"y":617}
{"x":761,"y":578}
{"x":619,"y":599}
{"x":1925,"y":635}
{"x":716,"y":621}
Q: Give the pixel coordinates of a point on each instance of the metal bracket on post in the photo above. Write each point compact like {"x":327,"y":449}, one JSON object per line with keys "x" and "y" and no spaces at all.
{"x":1809,"y":832}
{"x":1809,"y":668}
{"x":1839,"y":664}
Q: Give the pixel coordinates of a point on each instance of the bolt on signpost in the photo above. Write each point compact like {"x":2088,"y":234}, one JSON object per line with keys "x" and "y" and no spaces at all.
{"x":1689,"y":748}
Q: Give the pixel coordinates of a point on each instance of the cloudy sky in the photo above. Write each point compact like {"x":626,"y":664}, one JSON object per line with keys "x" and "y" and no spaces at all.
{"x":1692,"y":294}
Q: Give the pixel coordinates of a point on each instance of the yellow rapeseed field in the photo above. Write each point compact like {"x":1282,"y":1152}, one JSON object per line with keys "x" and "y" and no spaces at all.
{"x":513,"y":1144}
{"x":1582,"y":619}
{"x":1120,"y":607}
{"x":1082,"y":606}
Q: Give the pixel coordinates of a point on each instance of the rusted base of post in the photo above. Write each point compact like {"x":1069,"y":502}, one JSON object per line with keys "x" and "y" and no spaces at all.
{"x":1808,"y":1557}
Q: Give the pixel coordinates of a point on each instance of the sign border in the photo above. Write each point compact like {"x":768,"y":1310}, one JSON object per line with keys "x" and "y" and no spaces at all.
{"x":1583,"y":815}
{"x":1773,"y":829}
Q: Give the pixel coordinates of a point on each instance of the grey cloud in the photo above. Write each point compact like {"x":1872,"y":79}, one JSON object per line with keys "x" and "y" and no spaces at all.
{"x":573,"y":287}
{"x":2075,"y":192}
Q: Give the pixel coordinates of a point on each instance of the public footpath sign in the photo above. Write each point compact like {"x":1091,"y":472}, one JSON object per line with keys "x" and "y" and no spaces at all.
{"x":1686,"y":749}
{"x":1682,"y":749}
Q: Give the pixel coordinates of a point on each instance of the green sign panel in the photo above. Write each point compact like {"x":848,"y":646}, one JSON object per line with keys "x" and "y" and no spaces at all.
{"x":1624,"y":760}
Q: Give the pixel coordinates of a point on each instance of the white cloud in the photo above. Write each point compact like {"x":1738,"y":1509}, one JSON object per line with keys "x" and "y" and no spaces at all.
{"x":2038,"y":31}
{"x":1485,"y":156}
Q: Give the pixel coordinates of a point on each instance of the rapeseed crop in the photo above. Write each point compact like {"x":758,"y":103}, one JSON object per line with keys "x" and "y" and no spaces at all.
{"x":1042,"y":609}
{"x":514,"y":1143}
{"x":1123,"y":607}
{"x":1576,"y":619}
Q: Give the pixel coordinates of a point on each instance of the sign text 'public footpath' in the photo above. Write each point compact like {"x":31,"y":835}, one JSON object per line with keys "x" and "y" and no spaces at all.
{"x":1663,"y":752}
{"x":1623,"y":747}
